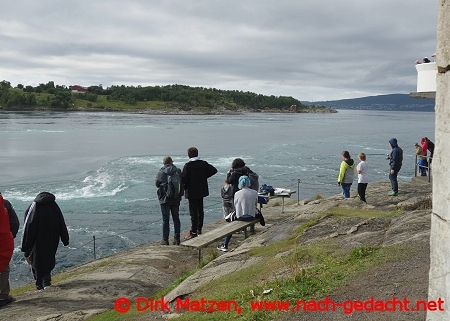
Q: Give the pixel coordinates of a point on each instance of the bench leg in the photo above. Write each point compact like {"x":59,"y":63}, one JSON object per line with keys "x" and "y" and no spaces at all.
{"x":199,"y":255}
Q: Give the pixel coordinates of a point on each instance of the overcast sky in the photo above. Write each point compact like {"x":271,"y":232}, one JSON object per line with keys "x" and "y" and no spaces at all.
{"x":308,"y":49}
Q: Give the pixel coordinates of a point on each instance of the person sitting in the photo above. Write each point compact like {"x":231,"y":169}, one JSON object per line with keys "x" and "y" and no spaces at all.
{"x":245,"y":201}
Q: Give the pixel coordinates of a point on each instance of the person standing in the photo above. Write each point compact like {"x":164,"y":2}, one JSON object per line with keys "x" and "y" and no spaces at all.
{"x":43,"y":228}
{"x":345,"y":178}
{"x":228,"y":207}
{"x":395,"y":164}
{"x":195,"y":176}
{"x":424,"y":145}
{"x":421,"y":160}
{"x":227,"y":198}
{"x":363,"y":176}
{"x":170,"y":204}
{"x":237,"y":170}
{"x":430,"y":146}
{"x":6,"y":251}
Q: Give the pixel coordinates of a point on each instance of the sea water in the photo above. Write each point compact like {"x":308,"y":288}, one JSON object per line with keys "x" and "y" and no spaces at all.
{"x":102,"y":166}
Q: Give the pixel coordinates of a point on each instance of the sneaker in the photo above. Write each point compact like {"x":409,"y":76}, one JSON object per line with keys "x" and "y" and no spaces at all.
{"x":176,"y":241}
{"x":392,"y":193}
{"x":5,"y":302}
{"x":39,"y":288}
{"x":191,"y":235}
{"x":222,"y":248}
{"x":199,"y":231}
{"x":164,"y":242}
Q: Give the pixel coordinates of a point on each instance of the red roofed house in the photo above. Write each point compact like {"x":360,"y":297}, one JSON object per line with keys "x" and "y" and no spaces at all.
{"x":78,"y":89}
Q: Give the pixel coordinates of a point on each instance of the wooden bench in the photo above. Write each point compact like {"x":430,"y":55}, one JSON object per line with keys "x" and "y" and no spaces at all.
{"x":203,"y":240}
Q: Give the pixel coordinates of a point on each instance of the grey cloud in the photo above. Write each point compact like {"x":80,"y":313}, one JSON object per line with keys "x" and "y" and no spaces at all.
{"x":324,"y":48}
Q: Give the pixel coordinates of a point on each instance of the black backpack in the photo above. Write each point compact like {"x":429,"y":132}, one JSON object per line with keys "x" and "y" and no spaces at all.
{"x":174,"y":189}
{"x":254,"y":180}
{"x":430,"y":145}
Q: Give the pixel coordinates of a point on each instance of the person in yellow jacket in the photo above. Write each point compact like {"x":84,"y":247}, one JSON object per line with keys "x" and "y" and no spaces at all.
{"x":346,"y":171}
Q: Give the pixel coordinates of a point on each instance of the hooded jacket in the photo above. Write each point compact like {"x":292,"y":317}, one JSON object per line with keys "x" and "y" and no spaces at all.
{"x":234,"y":175}
{"x":396,"y":155}
{"x":161,"y":183}
{"x":195,"y":176}
{"x":6,"y":237}
{"x":346,"y":171}
{"x":43,"y":228}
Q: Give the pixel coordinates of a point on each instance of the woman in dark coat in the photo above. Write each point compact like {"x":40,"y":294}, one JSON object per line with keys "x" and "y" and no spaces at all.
{"x":44,"y":227}
{"x":237,"y":170}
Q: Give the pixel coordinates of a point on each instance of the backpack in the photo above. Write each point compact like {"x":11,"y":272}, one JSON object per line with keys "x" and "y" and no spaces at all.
{"x":254,"y":180}
{"x":174,"y":189}
{"x":430,"y":145}
{"x":267,"y":189}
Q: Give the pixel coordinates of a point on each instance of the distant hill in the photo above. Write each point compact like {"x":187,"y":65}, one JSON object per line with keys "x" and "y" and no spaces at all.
{"x":401,"y":102}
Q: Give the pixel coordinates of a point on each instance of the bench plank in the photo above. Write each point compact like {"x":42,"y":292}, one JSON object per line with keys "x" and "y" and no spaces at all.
{"x":203,"y":240}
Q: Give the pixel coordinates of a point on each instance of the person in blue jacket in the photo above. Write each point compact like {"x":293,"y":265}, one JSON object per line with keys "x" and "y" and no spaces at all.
{"x":395,"y":164}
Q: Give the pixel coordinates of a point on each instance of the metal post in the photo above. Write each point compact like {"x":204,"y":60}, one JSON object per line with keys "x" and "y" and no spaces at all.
{"x":415,"y":168}
{"x":95,"y":256}
{"x":298,"y":191}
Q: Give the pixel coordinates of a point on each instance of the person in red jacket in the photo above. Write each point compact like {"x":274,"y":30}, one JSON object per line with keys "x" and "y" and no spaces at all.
{"x":6,"y":251}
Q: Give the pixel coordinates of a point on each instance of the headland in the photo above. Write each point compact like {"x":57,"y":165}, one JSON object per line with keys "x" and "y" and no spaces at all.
{"x":338,"y":248}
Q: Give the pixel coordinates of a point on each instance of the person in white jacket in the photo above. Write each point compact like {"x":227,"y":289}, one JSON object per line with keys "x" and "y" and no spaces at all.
{"x":245,"y":201}
{"x":363,"y":176}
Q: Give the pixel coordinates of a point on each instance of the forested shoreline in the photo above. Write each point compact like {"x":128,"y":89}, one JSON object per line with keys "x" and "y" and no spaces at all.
{"x":169,"y":98}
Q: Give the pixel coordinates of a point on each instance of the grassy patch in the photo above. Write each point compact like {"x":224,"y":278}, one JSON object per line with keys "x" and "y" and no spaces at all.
{"x":308,"y":225}
{"x":344,"y":212}
{"x":306,"y":272}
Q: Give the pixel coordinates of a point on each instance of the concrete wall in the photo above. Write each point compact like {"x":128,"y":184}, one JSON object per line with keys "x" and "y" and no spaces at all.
{"x":440,"y":220}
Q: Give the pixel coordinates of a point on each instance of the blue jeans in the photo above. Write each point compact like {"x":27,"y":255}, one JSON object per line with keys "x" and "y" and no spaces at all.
{"x":394,"y":182}
{"x":346,"y":189}
{"x":166,"y":209}
{"x":422,"y":166}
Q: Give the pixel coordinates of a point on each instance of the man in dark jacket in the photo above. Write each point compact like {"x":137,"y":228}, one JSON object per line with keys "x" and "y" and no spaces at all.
{"x":195,"y":176}
{"x":168,"y":205}
{"x":43,"y":228}
{"x":395,"y":164}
